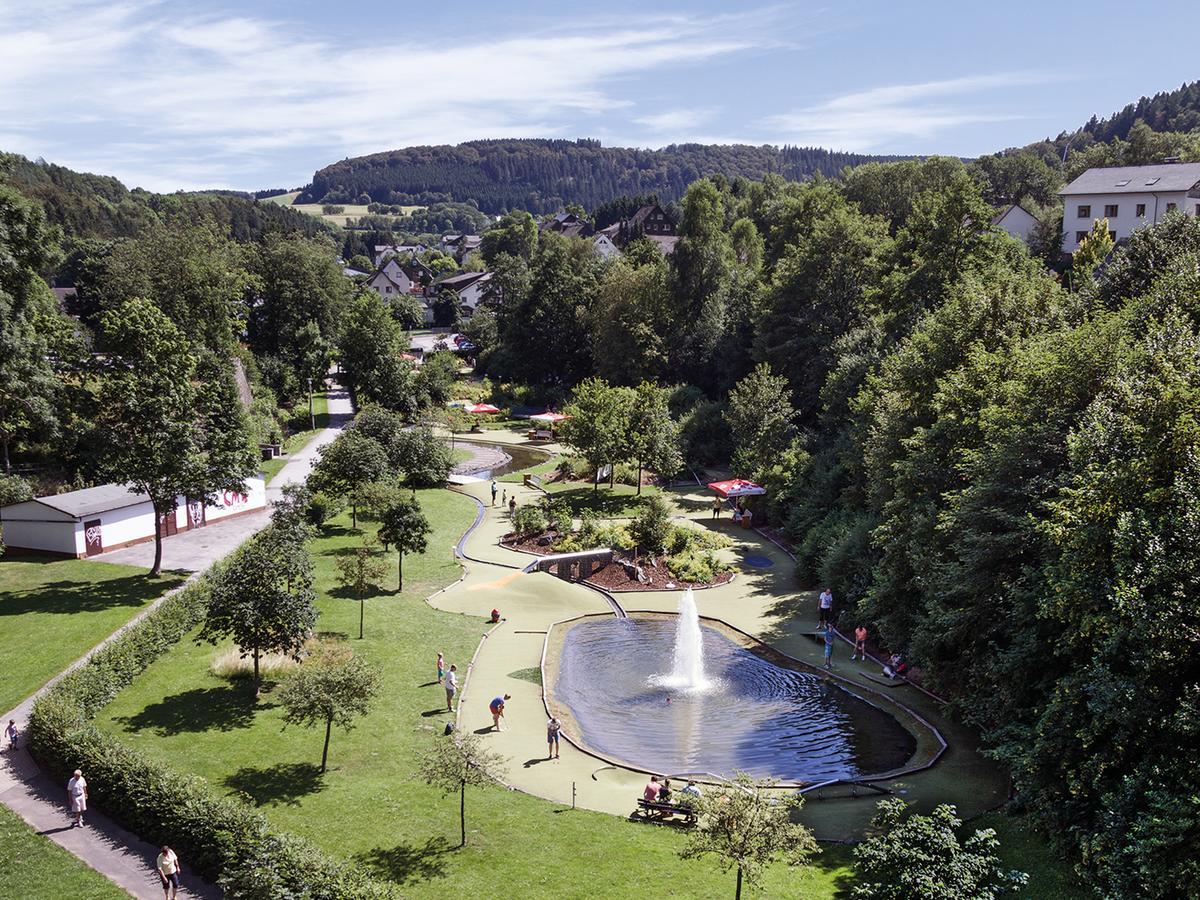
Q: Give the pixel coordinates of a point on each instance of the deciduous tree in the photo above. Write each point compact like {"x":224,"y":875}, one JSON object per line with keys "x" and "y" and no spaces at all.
{"x":331,"y":690}
{"x":404,"y":527}
{"x":360,"y":571}
{"x":458,"y":763}
{"x":349,"y":462}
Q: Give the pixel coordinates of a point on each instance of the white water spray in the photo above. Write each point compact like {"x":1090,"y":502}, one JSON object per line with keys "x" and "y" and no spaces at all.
{"x":687,"y":672}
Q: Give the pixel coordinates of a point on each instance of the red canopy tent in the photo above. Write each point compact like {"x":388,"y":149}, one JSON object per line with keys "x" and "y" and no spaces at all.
{"x":552,"y":418}
{"x":481,"y":409}
{"x":737,"y":487}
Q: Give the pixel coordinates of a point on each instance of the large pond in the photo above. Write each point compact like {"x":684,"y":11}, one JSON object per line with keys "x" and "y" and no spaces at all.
{"x":756,"y":717}
{"x":519,"y":458}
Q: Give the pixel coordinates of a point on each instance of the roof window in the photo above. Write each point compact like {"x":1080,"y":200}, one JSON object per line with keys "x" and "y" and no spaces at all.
{"x":1123,"y":183}
{"x":1150,"y":181}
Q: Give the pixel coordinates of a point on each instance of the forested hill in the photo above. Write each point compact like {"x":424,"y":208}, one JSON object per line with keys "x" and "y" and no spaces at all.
{"x":545,"y":175}
{"x":1177,"y":110}
{"x":100,"y":206}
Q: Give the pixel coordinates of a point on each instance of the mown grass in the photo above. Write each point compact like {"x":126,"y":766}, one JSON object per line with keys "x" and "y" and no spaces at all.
{"x":297,"y":440}
{"x":35,"y":868}
{"x":352,"y":210}
{"x":54,"y":610}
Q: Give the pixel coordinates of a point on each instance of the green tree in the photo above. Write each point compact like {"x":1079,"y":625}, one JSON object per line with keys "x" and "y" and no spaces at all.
{"x":703,"y":263}
{"x":454,"y":765}
{"x":313,"y":355}
{"x":1095,"y":247}
{"x":760,"y":415}
{"x":329,"y":691}
{"x":361,"y":571}
{"x":632,"y":321}
{"x":747,"y":827}
{"x":348,"y":463}
{"x":404,"y":527}
{"x":653,"y":434}
{"x":651,"y":528}
{"x":922,"y":858}
{"x":424,"y":458}
{"x":263,"y":598}
{"x":515,"y":234}
{"x":369,"y":347}
{"x":155,"y":439}
{"x":598,"y":426}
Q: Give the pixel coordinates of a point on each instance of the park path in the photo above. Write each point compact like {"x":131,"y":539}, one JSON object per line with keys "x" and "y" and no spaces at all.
{"x":118,"y":854}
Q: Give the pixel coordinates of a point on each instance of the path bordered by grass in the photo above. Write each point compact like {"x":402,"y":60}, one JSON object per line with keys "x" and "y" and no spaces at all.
{"x":33,"y":868}
{"x":371,"y":807}
{"x":53,"y":610}
{"x":297,"y":441}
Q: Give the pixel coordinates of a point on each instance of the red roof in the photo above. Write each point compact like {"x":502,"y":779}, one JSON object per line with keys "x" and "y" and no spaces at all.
{"x":737,"y":487}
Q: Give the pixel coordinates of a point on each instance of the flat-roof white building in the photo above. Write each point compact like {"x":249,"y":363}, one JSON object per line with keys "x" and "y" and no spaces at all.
{"x":111,"y":516}
{"x":1129,"y":197}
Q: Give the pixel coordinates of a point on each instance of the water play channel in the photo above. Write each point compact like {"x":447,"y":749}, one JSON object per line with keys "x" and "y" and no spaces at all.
{"x":679,"y":697}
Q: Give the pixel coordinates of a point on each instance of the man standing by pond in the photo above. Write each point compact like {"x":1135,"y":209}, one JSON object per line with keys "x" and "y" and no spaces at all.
{"x":495,"y":490}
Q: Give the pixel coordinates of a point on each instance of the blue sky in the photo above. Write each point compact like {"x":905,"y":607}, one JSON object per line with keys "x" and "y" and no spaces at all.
{"x":169,"y":95}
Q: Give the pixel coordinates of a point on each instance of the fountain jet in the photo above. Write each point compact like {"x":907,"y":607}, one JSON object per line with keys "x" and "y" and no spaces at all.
{"x":687,"y":673}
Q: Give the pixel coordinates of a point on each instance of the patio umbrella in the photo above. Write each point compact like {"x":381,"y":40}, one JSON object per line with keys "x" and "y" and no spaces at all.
{"x":552,"y":418}
{"x":737,"y":487}
{"x":482,"y":409}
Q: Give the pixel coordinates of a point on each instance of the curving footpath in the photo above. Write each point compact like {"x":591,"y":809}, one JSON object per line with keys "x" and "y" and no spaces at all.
{"x":121,"y":856}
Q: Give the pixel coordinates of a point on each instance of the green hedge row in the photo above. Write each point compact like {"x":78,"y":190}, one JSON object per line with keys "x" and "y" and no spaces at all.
{"x":223,"y":839}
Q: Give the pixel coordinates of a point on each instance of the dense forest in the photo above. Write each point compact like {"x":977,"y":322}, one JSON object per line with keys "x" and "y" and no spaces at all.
{"x":544,"y":175}
{"x":100,"y":206}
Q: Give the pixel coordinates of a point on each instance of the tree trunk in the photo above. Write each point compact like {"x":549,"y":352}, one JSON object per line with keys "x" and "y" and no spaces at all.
{"x":325,"y":756}
{"x":362,"y":608}
{"x":738,"y":895}
{"x":639,"y":490}
{"x":462,"y":813}
{"x":612,"y":475}
{"x":257,"y":678}
{"x":400,"y":568}
{"x":312,"y":419}
{"x":354,"y":513}
{"x":7,"y":461}
{"x":157,"y":567}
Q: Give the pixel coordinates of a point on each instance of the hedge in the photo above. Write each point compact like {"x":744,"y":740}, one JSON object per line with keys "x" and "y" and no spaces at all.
{"x":223,"y":839}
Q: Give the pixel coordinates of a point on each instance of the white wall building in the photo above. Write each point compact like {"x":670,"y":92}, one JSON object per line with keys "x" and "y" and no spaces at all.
{"x":108,"y":517}
{"x":1017,"y":221}
{"x":472,"y":289}
{"x":1130,"y":197}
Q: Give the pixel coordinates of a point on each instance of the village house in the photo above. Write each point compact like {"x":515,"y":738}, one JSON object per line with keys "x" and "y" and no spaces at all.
{"x":472,"y":288}
{"x":650,"y":221}
{"x":396,"y":277}
{"x":383,"y":251}
{"x":567,"y":224}
{"x":1129,"y":197}
{"x":459,"y":245}
{"x":1017,"y":221}
{"x":93,"y":520}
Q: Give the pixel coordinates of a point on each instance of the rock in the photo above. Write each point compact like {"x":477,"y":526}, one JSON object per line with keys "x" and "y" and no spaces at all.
{"x":545,"y":541}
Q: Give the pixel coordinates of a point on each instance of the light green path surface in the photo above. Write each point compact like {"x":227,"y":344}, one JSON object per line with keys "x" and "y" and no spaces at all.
{"x":761,"y":602}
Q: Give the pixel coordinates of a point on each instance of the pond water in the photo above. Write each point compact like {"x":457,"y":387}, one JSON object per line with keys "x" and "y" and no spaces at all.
{"x":757,"y":717}
{"x":519,"y":458}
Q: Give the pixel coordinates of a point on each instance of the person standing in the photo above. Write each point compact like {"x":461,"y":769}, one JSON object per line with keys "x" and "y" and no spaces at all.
{"x":497,"y":708}
{"x":495,"y":490}
{"x":512,"y":505}
{"x":10,"y":734}
{"x":168,"y":872}
{"x":553,"y":727}
{"x":716,"y":507}
{"x":860,"y":642}
{"x":77,"y":794}
{"x":451,"y":684}
{"x":441,"y":667}
{"x":825,"y":607}
{"x":829,"y":639}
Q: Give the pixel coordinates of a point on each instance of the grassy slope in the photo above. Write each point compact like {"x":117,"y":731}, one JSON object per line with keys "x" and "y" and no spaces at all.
{"x":34,"y":868}
{"x":297,"y":440}
{"x":352,"y":210}
{"x":370,"y":806}
{"x":54,"y":610}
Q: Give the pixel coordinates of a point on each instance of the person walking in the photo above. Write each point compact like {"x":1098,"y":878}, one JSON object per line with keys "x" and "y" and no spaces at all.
{"x":167,"y":865}
{"x":504,"y":497}
{"x":829,"y":639}
{"x":512,"y":506}
{"x":77,"y":794}
{"x":716,"y":507}
{"x":860,"y":642}
{"x":497,"y":708}
{"x":495,"y":490}
{"x":451,"y":684}
{"x":825,"y":607}
{"x":441,"y":667}
{"x":11,"y":734}
{"x":553,"y":727}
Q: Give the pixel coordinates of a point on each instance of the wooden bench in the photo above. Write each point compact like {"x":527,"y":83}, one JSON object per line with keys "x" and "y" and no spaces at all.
{"x":666,"y":810}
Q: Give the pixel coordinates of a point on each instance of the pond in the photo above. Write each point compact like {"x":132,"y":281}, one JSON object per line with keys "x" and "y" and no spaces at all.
{"x":519,"y":458}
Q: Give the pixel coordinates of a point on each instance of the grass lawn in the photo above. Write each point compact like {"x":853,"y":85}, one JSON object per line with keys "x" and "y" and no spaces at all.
{"x":619,"y":500}
{"x":297,"y":440}
{"x":371,"y":807}
{"x":53,"y":610}
{"x":1021,"y":847}
{"x":352,"y":210}
{"x":35,"y":868}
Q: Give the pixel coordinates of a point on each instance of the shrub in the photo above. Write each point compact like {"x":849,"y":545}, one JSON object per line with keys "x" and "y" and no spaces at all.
{"x":323,"y":507}
{"x":576,"y":468}
{"x":14,"y":489}
{"x":558,"y":515}
{"x":219,"y":836}
{"x":698,"y":566}
{"x":529,"y":520}
{"x":624,"y":473}
{"x":651,"y":528}
{"x":684,"y":538}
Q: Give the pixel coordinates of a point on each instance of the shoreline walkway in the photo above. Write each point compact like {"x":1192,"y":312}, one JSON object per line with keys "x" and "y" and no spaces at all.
{"x":119,"y":855}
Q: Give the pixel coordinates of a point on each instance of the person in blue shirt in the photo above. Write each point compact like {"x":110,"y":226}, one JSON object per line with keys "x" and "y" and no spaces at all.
{"x":829,"y":639}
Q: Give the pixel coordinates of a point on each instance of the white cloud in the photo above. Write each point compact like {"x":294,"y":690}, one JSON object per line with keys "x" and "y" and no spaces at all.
{"x":168,"y":100}
{"x":674,"y":121}
{"x":874,"y":118}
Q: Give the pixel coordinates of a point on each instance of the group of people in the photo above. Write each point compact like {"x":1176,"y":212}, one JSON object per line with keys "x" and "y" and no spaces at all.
{"x":896,"y":667}
{"x":661,"y":792}
{"x":742,"y":514}
{"x":448,"y":678}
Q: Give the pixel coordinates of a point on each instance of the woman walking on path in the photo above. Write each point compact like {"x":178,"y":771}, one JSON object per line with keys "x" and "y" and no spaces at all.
{"x":11,"y":734}
{"x":77,"y":794}
{"x":167,"y":865}
{"x":825,"y":607}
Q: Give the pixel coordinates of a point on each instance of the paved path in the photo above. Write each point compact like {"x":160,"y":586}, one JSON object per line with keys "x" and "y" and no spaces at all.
{"x":121,"y":856}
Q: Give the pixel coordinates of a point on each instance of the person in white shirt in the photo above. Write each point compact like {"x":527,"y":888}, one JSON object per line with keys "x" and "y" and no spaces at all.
{"x":451,"y":684}
{"x":77,"y":797}
{"x":167,"y":865}
{"x":825,"y":607}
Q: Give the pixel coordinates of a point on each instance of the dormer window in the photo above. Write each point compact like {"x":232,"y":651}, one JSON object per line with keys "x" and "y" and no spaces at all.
{"x":1150,"y":181}
{"x":1123,"y":183}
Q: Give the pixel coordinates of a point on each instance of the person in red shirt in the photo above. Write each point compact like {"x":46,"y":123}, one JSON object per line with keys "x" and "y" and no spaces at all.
{"x":860,"y":642}
{"x":650,"y":794}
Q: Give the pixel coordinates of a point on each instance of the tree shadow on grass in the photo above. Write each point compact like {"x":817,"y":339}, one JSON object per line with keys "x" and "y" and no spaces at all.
{"x":601,"y":501}
{"x":407,"y":863}
{"x":284,"y":783}
{"x":67,"y":596}
{"x":200,"y":709}
{"x":835,"y":857}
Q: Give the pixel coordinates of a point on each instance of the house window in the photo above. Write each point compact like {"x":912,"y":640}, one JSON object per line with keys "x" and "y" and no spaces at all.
{"x":387,"y":290}
{"x":1141,"y":210}
{"x":1085,"y":212}
{"x":1112,"y":236}
{"x":1079,"y":236}
{"x":1171,"y":207}
{"x":1110,"y":210}
{"x":1198,"y":209}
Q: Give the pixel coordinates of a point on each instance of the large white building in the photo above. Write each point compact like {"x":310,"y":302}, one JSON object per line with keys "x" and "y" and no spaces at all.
{"x":1129,"y":197}
{"x":111,"y":516}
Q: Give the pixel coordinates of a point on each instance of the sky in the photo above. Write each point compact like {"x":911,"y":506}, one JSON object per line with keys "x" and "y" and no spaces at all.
{"x":259,"y":94}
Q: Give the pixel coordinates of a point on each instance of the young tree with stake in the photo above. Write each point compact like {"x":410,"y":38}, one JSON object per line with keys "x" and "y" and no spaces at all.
{"x":359,"y":571}
{"x":405,"y":527}
{"x":453,"y":764}
{"x":329,"y":691}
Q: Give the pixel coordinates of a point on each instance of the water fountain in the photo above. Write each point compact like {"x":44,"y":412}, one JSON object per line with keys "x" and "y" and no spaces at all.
{"x":687,"y":673}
